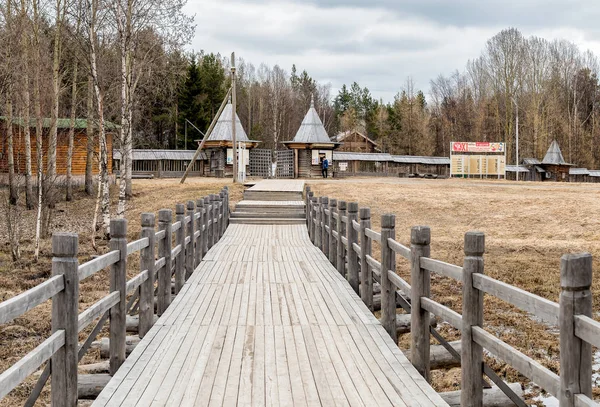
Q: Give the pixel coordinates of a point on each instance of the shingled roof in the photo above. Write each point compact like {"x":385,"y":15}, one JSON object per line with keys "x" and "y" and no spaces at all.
{"x":222,"y":130}
{"x":554,"y":155}
{"x":312,"y":130}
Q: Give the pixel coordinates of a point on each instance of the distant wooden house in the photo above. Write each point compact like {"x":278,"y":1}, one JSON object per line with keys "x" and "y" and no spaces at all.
{"x":535,"y":171}
{"x":311,"y":145}
{"x":554,"y":165}
{"x":348,"y":163}
{"x":384,"y":164}
{"x":357,"y":142}
{"x":63,"y":126}
{"x":512,"y":170}
{"x":579,"y":175}
{"x":164,"y":163}
{"x":413,"y":165}
{"x":219,"y":145}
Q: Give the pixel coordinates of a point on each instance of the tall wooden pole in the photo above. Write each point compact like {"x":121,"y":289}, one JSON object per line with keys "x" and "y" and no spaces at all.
{"x":233,"y":114}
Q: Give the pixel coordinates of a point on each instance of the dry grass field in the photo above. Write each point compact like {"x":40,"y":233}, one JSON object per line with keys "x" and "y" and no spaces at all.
{"x":528,"y":227}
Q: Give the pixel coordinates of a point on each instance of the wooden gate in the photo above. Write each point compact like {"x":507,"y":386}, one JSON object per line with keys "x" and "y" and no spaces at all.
{"x":285,"y":164}
{"x":261,"y":163}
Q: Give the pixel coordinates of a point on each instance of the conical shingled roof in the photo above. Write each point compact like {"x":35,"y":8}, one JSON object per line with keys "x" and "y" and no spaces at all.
{"x":312,"y":130}
{"x":222,"y":130}
{"x":554,"y":155}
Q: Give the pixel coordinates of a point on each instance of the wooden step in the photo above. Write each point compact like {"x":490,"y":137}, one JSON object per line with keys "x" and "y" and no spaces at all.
{"x":271,"y":221}
{"x":272,"y":196}
{"x":268,"y":215}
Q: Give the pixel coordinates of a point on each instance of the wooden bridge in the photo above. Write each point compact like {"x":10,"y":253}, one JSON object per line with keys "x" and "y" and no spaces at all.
{"x":271,"y":314}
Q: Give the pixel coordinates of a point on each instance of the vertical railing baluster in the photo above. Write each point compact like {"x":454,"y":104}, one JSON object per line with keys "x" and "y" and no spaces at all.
{"x":118,"y":283}
{"x":575,"y":353}
{"x":180,"y":241}
{"x":420,"y":280}
{"x":65,"y":310}
{"x":388,"y":263}
{"x":332,"y":228}
{"x":147,"y":261}
{"x":341,"y":254}
{"x":189,"y":248}
{"x":165,"y":219}
{"x":352,"y":236}
{"x":472,"y":315}
{"x":366,"y":274}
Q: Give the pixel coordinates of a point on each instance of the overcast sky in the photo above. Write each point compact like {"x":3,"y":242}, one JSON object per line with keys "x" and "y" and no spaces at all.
{"x":379,"y":43}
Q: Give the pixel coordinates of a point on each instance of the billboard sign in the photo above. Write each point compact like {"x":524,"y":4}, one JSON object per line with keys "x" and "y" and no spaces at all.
{"x":477,"y":147}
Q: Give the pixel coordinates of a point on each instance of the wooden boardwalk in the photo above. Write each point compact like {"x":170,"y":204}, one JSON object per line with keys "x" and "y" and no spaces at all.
{"x":267,"y":320}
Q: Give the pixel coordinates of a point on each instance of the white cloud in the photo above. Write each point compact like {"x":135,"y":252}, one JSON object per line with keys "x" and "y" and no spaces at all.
{"x":379,"y":43}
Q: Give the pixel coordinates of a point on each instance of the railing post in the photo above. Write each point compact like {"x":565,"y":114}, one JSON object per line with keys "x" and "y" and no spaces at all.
{"x":226,"y":211}
{"x":324,"y":222}
{"x":215,"y":218}
{"x":65,"y":311}
{"x":318,"y":225}
{"x":198,"y":249}
{"x":472,"y":315}
{"x":366,"y":274}
{"x":118,"y":282}
{"x":309,"y":216}
{"x":222,"y":213}
{"x":388,"y":262}
{"x":341,"y":256}
{"x":147,"y":263}
{"x":165,"y":217}
{"x":575,"y":353}
{"x":180,"y":241}
{"x":332,"y":227}
{"x":210,"y":220}
{"x":217,"y":213}
{"x":420,"y":280}
{"x":352,"y":236}
{"x":306,"y":203}
{"x":189,"y":249}
{"x":206,"y":221}
{"x":313,"y":217}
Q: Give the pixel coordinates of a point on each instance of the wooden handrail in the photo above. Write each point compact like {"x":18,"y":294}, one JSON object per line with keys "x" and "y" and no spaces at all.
{"x":577,"y":323}
{"x":70,"y":323}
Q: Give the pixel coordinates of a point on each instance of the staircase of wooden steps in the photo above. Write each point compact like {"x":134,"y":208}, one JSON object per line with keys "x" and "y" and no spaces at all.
{"x":271,"y":202}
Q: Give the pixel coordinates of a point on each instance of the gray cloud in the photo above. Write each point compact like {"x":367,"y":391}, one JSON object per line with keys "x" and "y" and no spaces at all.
{"x":379,"y":43}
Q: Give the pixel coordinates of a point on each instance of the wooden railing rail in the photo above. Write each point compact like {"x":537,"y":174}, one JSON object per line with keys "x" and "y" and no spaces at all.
{"x":353,"y":258}
{"x":61,"y":350}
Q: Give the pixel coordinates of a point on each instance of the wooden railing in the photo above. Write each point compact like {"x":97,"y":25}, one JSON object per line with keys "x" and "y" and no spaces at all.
{"x":196,"y":231}
{"x":344,"y":234}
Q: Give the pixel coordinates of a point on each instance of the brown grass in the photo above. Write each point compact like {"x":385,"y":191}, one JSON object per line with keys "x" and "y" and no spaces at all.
{"x":29,"y":330}
{"x":528,"y":227}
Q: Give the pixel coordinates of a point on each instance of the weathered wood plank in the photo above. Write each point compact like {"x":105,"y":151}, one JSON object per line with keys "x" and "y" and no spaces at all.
{"x":20,"y":304}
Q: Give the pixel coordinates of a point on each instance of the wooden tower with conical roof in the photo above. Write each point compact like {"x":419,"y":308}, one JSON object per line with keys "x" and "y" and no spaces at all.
{"x":311,"y":144}
{"x":219,"y":145}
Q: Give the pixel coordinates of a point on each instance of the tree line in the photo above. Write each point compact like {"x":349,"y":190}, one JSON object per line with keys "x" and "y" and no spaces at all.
{"x":124,"y":61}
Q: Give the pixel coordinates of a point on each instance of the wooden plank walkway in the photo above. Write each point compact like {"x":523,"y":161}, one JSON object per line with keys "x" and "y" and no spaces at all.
{"x":266,"y":320}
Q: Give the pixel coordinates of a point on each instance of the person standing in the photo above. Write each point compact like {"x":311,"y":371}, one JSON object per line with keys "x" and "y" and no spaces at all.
{"x":324,"y":166}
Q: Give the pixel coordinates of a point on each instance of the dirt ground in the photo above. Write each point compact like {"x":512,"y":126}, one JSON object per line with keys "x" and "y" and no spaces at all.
{"x":29,"y":330}
{"x":528,"y":227}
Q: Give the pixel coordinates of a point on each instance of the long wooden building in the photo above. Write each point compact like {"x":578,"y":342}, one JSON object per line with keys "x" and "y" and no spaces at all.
{"x":63,"y":125}
{"x":164,"y":163}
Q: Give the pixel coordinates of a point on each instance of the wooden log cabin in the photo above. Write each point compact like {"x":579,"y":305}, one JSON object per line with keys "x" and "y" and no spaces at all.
{"x":356,"y":141}
{"x":311,"y":144}
{"x":219,"y":145}
{"x":63,"y":125}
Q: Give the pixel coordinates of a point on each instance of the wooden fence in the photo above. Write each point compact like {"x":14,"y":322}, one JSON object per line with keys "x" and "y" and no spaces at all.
{"x":196,"y":229}
{"x":343,"y":232}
